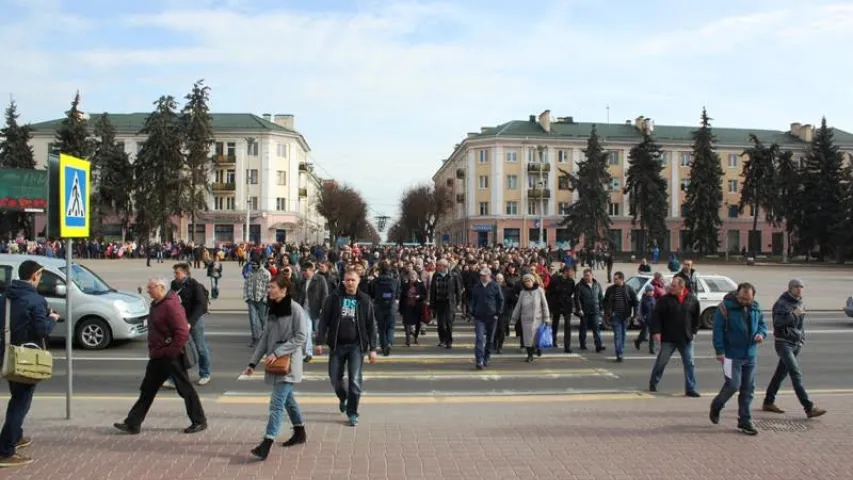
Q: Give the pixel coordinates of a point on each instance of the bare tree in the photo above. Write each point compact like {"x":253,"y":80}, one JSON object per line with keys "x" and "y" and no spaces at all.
{"x":397,"y":233}
{"x":344,"y":209}
{"x":422,"y":207}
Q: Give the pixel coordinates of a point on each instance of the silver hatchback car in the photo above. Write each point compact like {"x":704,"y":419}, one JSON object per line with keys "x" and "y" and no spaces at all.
{"x":100,"y":314}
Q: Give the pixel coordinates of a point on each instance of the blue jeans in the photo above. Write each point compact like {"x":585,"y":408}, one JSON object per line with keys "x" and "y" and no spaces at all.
{"x":282,"y":398}
{"x":484,"y":329}
{"x":788,"y":366}
{"x":352,"y":358}
{"x":214,"y":287}
{"x":743,"y":380}
{"x":620,"y":328}
{"x":666,"y":351}
{"x":197,"y":332}
{"x":385,"y":322}
{"x":16,"y":411}
{"x":257,"y":319}
{"x":309,"y":341}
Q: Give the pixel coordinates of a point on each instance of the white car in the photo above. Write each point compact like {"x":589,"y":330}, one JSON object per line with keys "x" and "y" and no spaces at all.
{"x":711,"y":289}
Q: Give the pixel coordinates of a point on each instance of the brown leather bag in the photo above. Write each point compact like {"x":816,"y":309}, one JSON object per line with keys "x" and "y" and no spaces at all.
{"x":279,"y":366}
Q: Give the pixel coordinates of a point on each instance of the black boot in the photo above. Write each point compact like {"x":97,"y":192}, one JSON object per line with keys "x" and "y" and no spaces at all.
{"x":298,"y":437}
{"x":262,"y":451}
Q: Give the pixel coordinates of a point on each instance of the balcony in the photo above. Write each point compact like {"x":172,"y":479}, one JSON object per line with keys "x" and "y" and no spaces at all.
{"x":223,"y":187}
{"x":544,"y":193}
{"x":303,"y":192}
{"x":460,"y":173}
{"x":303,"y":166}
{"x":225,"y":160}
{"x":460,"y":198}
{"x":538,"y":167}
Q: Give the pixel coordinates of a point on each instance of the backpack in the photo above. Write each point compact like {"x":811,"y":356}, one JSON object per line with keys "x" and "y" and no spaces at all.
{"x":385,"y":291}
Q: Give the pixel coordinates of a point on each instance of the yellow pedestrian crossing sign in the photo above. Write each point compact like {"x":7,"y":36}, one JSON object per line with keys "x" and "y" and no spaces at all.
{"x":74,"y":195}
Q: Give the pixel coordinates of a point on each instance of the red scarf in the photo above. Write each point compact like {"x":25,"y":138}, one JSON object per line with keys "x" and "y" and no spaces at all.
{"x":682,"y":296}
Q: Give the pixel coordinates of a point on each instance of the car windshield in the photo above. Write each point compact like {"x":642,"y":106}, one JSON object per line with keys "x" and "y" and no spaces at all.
{"x":637,"y":283}
{"x":87,"y":281}
{"x":721,"y":284}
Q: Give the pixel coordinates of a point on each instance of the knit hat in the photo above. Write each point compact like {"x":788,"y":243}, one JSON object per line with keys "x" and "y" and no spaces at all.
{"x":27,"y":269}
{"x":795,"y":282}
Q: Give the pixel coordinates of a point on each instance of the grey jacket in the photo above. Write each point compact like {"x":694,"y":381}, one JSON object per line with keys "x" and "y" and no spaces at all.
{"x":284,"y":336}
{"x":787,"y":327}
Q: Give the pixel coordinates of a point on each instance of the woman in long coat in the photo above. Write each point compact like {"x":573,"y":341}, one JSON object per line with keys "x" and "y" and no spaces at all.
{"x":413,"y":294}
{"x":532,"y":310}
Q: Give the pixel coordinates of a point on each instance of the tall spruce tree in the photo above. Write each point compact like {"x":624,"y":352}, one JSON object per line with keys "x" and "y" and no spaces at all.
{"x":647,"y":189}
{"x":15,"y":152}
{"x":789,"y":189}
{"x":158,"y":171}
{"x":705,"y":191}
{"x":114,"y":182}
{"x":759,"y":186}
{"x":197,"y":128}
{"x":824,"y":195}
{"x":73,"y":134}
{"x":589,"y":216}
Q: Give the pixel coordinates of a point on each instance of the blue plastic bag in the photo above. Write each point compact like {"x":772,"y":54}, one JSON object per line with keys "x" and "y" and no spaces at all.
{"x":544,"y":337}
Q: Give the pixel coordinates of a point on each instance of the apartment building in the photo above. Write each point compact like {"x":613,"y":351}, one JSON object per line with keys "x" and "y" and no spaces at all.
{"x":509,"y":187}
{"x":260,"y":163}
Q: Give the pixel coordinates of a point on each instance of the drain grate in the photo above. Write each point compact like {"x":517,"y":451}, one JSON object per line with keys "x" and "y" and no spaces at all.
{"x":782,"y":425}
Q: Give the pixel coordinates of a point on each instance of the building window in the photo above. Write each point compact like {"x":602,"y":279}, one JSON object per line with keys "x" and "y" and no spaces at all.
{"x":613,"y":209}
{"x":231,"y":149}
{"x":530,"y":155}
{"x":665,"y":158}
{"x":732,"y":186}
{"x":139,"y":146}
{"x":563,"y":156}
{"x":219,"y":148}
{"x":732,"y":160}
{"x":484,"y":182}
{"x":512,"y":182}
{"x":685,"y":159}
{"x":683,"y":210}
{"x":252,"y":176}
{"x":511,"y":157}
{"x":512,"y":208}
{"x":512,"y":237}
{"x":733,"y":211}
{"x":484,"y":208}
{"x":563,"y":208}
{"x":531,"y":207}
{"x":253,"y":203}
{"x":614,"y":185}
{"x":281,"y":150}
{"x":685,"y":182}
{"x":563,"y":182}
{"x":484,"y":156}
{"x":281,"y":177}
{"x":252,"y":149}
{"x":281,"y":204}
{"x":219,"y":203}
{"x":230,"y":204}
{"x":613,"y":157}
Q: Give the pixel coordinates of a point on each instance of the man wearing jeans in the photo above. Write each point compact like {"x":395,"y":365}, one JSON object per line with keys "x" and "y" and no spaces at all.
{"x":348,"y":326}
{"x":385,"y":291}
{"x":255,"y":296}
{"x":194,"y":301}
{"x":675,"y":321}
{"x":620,"y":304}
{"x":486,"y":303}
{"x":789,"y":332}
{"x":738,"y":329}
{"x":588,"y":302}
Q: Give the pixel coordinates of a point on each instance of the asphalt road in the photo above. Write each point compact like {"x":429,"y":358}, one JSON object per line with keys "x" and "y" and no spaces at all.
{"x":427,"y":370}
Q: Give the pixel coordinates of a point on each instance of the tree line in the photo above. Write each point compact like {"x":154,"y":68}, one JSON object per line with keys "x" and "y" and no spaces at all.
{"x":170,"y":175}
{"x":812,"y":200}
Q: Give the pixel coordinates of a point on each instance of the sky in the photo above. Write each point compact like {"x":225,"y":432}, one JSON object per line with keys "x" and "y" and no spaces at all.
{"x":382,"y":90}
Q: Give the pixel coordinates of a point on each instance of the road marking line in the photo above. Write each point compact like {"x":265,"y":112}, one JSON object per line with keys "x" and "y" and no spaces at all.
{"x":459,"y":375}
{"x":653,"y":357}
{"x":399,"y":334}
{"x":425,"y":358}
{"x":441,"y":399}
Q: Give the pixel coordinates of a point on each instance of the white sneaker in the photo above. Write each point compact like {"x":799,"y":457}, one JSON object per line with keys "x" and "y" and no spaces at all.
{"x":204,"y":380}
{"x":169,"y":384}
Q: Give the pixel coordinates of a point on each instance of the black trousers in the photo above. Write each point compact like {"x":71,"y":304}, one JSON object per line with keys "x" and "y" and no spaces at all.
{"x":444,"y":316}
{"x":555,"y":326}
{"x":157,"y":371}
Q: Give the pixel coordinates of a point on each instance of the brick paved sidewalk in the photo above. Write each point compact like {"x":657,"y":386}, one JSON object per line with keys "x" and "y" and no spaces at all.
{"x":561,"y":439}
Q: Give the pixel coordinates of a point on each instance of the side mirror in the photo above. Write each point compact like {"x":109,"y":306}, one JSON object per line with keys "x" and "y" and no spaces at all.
{"x":61,"y":290}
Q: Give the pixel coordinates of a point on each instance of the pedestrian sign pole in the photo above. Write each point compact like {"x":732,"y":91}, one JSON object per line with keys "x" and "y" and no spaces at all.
{"x":74,"y":189}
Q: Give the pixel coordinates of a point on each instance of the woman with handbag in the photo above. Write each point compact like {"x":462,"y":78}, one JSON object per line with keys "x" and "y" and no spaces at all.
{"x":532,"y":311}
{"x":280,"y":350}
{"x":412,"y":306}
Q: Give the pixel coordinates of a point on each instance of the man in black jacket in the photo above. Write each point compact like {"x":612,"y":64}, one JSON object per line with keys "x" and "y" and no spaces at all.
{"x":385,"y":292}
{"x":675,"y":321}
{"x":348,"y":326}
{"x":560,"y":295}
{"x":620,"y":304}
{"x":194,"y":300}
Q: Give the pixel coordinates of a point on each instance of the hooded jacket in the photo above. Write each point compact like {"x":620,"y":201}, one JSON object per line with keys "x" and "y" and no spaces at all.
{"x":30,"y":322}
{"x":735,"y":328}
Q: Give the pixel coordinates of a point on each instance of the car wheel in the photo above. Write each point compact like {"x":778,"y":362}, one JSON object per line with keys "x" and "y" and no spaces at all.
{"x":707,"y":318}
{"x":93,"y":333}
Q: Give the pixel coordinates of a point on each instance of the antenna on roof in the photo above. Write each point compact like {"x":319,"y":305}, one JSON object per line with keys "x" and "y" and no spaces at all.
{"x":608,"y":114}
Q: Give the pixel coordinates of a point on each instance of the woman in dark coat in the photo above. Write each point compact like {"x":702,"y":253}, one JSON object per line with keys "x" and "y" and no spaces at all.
{"x":413,"y":294}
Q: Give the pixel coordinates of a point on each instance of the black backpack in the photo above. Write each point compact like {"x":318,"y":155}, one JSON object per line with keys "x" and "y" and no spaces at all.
{"x":385,"y":292}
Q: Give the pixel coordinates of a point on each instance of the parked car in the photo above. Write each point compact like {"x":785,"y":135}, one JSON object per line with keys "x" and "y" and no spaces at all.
{"x":710,"y":291}
{"x":100,"y":313}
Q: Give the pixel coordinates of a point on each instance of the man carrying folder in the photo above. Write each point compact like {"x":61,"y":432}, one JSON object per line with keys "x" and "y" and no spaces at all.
{"x":738,"y":329}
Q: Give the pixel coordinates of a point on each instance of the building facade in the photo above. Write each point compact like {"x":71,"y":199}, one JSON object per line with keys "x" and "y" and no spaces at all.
{"x":508,"y":184}
{"x":260,"y":167}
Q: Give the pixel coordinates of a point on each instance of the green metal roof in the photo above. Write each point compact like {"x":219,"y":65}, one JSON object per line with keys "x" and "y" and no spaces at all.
{"x":629,"y":133}
{"x":131,"y":123}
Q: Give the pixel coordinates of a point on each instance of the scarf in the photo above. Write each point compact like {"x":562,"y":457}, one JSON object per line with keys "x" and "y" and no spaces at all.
{"x":281,"y":308}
